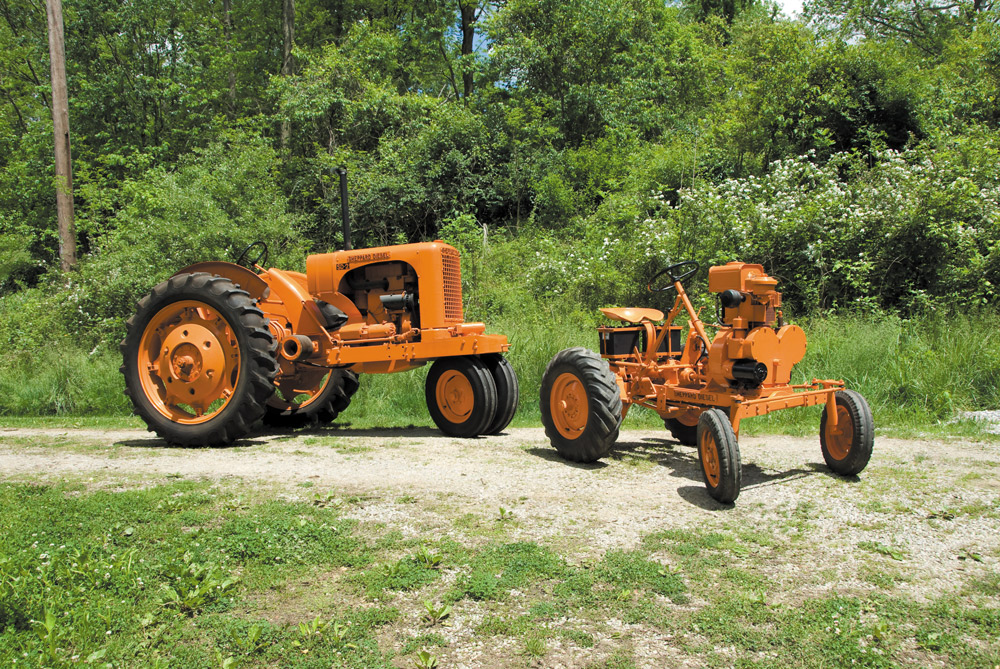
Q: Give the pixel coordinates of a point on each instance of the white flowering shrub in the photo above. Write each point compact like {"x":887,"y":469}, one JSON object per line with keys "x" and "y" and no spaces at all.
{"x":912,"y":230}
{"x":906,"y":233}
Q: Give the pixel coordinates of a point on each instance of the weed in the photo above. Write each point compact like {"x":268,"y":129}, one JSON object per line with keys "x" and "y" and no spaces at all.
{"x":192,"y":586}
{"x":425,"y":660}
{"x":427,"y":559}
{"x":405,"y":574}
{"x":436,"y":615}
{"x":328,"y":501}
{"x":250,"y":640}
{"x":46,"y":631}
{"x":535,"y":647}
{"x":317,"y":630}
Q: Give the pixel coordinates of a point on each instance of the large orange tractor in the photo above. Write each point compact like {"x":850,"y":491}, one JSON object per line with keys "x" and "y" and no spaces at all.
{"x":704,"y":388}
{"x":219,"y":346}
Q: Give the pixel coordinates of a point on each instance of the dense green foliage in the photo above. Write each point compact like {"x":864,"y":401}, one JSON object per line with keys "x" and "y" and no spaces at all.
{"x":570,"y":148}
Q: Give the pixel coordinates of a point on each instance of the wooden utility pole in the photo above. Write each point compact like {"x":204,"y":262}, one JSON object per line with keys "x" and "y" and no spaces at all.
{"x":287,"y":60}
{"x":60,"y":126}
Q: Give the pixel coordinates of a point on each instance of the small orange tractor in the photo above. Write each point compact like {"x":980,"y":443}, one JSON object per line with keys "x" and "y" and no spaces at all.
{"x":219,"y":346}
{"x":703,"y":389}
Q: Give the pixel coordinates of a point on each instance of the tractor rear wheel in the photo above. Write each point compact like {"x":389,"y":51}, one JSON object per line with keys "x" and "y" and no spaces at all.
{"x":198,"y":360}
{"x":719,"y":455}
{"x":461,"y":396}
{"x":847,"y":448}
{"x":313,"y":395}
{"x":581,"y":405}
{"x":507,"y":391}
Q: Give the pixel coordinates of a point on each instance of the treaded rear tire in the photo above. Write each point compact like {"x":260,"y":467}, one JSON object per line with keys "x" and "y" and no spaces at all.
{"x":579,"y":436}
{"x":507,"y":391}
{"x":258,"y":366}
{"x":333,"y":400}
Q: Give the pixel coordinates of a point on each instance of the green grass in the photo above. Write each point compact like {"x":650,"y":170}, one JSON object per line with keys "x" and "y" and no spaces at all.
{"x":917,"y":375}
{"x":187,"y":574}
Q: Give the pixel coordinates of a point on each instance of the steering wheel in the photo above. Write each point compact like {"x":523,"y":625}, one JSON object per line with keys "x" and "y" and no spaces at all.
{"x":261,"y":259}
{"x":674,"y":278}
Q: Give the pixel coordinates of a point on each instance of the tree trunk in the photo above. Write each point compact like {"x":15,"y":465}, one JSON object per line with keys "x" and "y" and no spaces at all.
{"x":469,"y":15}
{"x":227,"y":31}
{"x":60,"y":125}
{"x":287,"y":63}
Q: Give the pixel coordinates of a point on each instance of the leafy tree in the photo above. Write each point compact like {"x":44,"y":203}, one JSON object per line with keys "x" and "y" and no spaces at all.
{"x":925,"y":25}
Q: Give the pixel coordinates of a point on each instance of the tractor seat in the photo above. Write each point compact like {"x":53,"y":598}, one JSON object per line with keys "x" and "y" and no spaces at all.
{"x":633,"y":314}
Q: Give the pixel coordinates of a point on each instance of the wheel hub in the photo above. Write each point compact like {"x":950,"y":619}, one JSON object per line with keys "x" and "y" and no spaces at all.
{"x":569,"y":399}
{"x":709,"y":458}
{"x":455,"y":397}
{"x":840,"y":436}
{"x":191,"y":360}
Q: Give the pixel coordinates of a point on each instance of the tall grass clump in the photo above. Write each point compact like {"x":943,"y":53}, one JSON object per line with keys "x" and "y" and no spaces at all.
{"x":66,"y":382}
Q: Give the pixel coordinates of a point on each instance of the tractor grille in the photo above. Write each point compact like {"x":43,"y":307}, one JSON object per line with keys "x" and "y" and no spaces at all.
{"x":452,"y":287}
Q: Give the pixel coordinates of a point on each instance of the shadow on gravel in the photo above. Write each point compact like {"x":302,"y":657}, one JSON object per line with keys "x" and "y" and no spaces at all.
{"x":683,"y":463}
{"x":552,"y":455}
{"x":698,"y":496}
{"x":156,"y":442}
{"x":817,"y":468}
{"x":343,"y":430}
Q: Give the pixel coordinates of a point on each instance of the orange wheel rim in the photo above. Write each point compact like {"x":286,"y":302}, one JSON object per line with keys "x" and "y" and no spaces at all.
{"x":840,"y":437}
{"x":709,"y":457}
{"x":299,"y":390}
{"x":568,"y":402}
{"x":189,"y":362}
{"x":454,"y":396}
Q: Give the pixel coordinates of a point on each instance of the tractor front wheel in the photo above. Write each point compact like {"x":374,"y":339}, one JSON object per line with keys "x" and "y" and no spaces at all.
{"x":461,"y":396}
{"x":719,"y":455}
{"x":507,"y":391}
{"x":198,"y":360}
{"x":581,"y":405}
{"x":847,"y":447}
{"x":313,"y":395}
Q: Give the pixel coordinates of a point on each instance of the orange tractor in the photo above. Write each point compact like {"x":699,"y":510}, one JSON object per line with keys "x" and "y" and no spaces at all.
{"x":219,"y":346}
{"x":704,"y":388}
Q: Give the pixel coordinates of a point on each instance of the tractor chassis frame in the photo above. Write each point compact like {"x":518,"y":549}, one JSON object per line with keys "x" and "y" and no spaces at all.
{"x":374,"y":356}
{"x":672,"y":401}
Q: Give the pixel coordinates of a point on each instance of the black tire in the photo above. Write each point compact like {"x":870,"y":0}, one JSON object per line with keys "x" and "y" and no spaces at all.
{"x":257,"y":364}
{"x":333,"y":399}
{"x":686,"y":434}
{"x":507,"y":391}
{"x":719,"y":456}
{"x":581,"y":433}
{"x":851,"y":455}
{"x":468,"y":396}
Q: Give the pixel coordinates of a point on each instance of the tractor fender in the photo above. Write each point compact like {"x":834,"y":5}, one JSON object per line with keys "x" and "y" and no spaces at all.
{"x":300,"y":307}
{"x":239,"y":275}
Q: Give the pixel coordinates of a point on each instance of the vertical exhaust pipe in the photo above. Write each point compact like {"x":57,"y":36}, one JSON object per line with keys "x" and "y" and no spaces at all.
{"x":344,"y":211}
